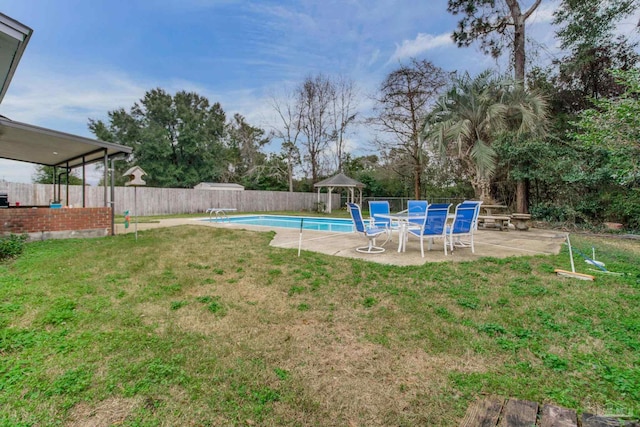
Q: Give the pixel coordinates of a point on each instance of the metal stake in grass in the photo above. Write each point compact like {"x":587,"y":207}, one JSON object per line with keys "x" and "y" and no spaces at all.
{"x":300,"y":238}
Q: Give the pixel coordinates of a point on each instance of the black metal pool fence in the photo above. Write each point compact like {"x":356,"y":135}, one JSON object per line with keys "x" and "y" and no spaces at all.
{"x":397,"y":204}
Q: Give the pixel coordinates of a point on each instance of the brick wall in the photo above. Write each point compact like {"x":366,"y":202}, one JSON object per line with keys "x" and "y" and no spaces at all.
{"x":40,"y":220}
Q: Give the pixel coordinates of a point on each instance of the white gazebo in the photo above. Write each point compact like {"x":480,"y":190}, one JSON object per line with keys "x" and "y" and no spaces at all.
{"x":341,"y":181}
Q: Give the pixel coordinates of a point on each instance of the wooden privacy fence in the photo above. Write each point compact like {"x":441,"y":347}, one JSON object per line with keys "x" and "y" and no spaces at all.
{"x":162,"y":201}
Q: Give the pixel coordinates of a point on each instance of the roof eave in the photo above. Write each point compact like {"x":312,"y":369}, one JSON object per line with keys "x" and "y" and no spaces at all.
{"x":20,"y":32}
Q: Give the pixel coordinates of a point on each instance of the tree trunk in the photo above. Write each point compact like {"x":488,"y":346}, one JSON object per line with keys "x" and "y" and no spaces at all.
{"x":519,"y":56}
{"x":519,"y":61}
{"x":314,"y":169}
{"x":482,"y":189}
{"x":290,"y":174}
{"x":522,"y":196}
{"x":417,"y":182}
{"x":485,"y":190}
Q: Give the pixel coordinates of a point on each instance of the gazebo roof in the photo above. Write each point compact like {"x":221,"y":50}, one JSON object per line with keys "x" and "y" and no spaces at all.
{"x":339,"y":180}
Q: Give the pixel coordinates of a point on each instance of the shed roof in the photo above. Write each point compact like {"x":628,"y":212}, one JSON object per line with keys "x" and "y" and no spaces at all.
{"x":339,"y":180}
{"x":218,"y":186}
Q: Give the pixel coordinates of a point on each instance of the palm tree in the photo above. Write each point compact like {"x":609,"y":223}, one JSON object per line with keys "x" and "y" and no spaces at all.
{"x":469,"y":117}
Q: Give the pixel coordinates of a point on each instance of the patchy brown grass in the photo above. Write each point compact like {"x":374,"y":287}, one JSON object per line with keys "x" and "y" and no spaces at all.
{"x":206,"y":326}
{"x":108,"y":412}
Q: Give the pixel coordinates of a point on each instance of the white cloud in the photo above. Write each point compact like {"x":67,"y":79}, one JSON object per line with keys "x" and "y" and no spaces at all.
{"x":41,"y":96}
{"x":64,"y":101}
{"x":285,"y":17}
{"x":422,"y":43}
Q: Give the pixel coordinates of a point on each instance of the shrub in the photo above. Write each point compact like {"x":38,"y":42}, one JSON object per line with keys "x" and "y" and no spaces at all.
{"x":12,"y":245}
{"x":627,"y":207}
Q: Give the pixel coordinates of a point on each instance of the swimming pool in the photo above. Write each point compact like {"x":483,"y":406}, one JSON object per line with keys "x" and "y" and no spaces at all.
{"x":337,"y":225}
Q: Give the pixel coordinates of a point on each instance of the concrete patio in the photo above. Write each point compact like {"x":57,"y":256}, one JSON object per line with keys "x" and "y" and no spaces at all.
{"x":488,"y":243}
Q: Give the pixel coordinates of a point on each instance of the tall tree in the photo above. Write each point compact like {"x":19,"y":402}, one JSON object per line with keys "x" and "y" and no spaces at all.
{"x":120,"y":128}
{"x":343,"y":114}
{"x":586,"y":30}
{"x":244,"y":144}
{"x":404,"y":99}
{"x":272,"y":175}
{"x":177,"y":140}
{"x":315,"y":114}
{"x":588,"y":23}
{"x":288,"y":131}
{"x":495,"y":24}
{"x":473,"y":113}
{"x":314,"y":99}
{"x":44,"y":175}
{"x":615,"y":126}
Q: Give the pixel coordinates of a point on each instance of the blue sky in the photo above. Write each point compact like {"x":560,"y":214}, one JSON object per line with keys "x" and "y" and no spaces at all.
{"x":86,"y":58}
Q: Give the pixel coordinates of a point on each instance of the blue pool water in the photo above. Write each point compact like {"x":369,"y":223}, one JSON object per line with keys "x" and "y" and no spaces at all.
{"x":337,"y":225}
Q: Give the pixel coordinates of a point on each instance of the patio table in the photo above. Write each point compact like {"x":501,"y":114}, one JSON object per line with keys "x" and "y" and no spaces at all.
{"x":404,"y":221}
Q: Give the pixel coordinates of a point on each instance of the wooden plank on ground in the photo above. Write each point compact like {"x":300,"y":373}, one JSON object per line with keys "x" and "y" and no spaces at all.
{"x":483,"y":413}
{"x":519,"y":413}
{"x":590,"y":420}
{"x":554,"y":416}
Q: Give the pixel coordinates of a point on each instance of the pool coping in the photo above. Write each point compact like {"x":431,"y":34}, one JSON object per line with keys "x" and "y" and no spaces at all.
{"x":343,"y":221}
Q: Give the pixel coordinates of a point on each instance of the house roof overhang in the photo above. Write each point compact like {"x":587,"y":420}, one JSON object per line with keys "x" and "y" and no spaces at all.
{"x":33,"y":144}
{"x":14,"y":37}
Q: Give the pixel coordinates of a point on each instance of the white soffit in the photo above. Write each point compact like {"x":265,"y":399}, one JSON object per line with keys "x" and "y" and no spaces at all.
{"x":33,"y":144}
{"x":14,"y":37}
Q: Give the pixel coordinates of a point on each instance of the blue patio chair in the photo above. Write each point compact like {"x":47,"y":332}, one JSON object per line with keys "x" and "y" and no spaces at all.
{"x":381,"y":207}
{"x":463,"y":226}
{"x":476,"y":204}
{"x":417,"y":207}
{"x":369,"y":232}
{"x":434,"y":226}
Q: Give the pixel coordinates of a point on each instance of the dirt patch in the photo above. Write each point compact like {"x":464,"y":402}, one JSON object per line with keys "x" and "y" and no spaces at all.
{"x":109,"y":412}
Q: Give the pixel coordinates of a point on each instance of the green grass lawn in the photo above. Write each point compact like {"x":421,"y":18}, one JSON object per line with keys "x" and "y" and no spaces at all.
{"x":209,"y":326}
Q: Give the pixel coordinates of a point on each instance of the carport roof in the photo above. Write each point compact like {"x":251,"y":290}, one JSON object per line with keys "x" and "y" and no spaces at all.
{"x":33,"y":144}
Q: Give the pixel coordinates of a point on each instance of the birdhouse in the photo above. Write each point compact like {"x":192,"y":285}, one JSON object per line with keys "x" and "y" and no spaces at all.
{"x":135,"y":176}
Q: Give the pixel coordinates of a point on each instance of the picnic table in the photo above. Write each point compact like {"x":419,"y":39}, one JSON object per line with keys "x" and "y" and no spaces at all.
{"x":494,"y":215}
